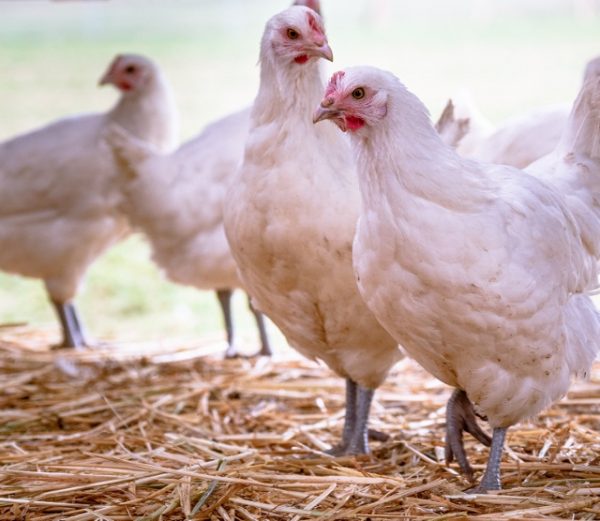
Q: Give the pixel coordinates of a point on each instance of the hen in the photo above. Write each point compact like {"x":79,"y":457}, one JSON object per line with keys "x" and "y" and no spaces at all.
{"x":481,"y":272}
{"x":162,"y":193}
{"x":520,"y":140}
{"x":59,"y":197}
{"x":177,"y":200}
{"x":291,"y":216}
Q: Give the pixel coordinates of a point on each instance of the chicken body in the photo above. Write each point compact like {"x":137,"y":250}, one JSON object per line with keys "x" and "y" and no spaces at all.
{"x":291,"y":217}
{"x":59,"y":198}
{"x":479,"y":271}
{"x":177,"y":200}
{"x":520,"y":140}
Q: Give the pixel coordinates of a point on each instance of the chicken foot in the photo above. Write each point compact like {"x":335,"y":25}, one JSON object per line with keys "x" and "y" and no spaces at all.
{"x":355,"y":433}
{"x":460,"y":417}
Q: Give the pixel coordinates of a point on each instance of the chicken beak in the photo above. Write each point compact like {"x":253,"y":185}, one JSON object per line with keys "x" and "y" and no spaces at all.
{"x":325,"y":111}
{"x":105,"y":80}
{"x":322,"y":50}
{"x":110,"y":72}
{"x":326,"y":52}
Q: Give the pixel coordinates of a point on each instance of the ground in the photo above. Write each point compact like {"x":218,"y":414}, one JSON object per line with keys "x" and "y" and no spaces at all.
{"x":172,"y":432}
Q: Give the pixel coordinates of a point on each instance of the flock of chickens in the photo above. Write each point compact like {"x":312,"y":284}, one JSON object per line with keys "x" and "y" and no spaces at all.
{"x":355,"y":237}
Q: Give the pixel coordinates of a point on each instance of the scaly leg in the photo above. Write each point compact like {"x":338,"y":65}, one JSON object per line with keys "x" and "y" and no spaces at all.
{"x":491,"y":476}
{"x":355,"y":434}
{"x":349,"y":421}
{"x":73,"y":335}
{"x":224,"y":296}
{"x":265,"y":347}
{"x":359,"y":443}
{"x":460,"y":417}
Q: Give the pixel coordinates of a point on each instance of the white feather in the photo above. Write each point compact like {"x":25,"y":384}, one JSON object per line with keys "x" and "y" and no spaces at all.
{"x":177,"y":200}
{"x":59,"y":195}
{"x":479,"y":271}
{"x":291,"y":218}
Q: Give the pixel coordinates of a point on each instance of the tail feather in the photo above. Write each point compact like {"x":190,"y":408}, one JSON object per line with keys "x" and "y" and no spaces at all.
{"x":129,"y":151}
{"x":582,"y":135}
{"x":595,"y":111}
{"x":450,"y":128}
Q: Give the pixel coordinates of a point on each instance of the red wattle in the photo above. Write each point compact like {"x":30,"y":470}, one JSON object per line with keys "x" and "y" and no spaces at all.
{"x":124,"y":85}
{"x":303,"y":58}
{"x":353,"y":123}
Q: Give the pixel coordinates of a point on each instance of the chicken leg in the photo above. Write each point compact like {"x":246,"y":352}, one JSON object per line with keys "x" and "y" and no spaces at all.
{"x":265,"y":346}
{"x":73,"y":334}
{"x":491,"y":476}
{"x":460,"y":417}
{"x":224,"y":296}
{"x":355,"y":433}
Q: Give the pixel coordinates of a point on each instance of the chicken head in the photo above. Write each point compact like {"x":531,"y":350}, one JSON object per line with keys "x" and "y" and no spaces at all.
{"x":297,"y":35}
{"x":128,"y":72}
{"x":351,"y":106}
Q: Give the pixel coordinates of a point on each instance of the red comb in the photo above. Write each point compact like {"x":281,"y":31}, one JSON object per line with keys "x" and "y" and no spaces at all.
{"x":334,"y":83}
{"x":315,"y":26}
{"x":315,"y":5}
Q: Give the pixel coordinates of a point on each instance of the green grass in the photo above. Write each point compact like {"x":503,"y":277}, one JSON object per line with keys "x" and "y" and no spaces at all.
{"x":52,"y":55}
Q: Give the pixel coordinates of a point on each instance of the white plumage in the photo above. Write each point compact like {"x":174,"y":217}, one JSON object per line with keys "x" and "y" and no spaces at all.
{"x":291,"y":216}
{"x":479,"y":271}
{"x":59,"y":197}
{"x":520,"y":140}
{"x":177,"y":200}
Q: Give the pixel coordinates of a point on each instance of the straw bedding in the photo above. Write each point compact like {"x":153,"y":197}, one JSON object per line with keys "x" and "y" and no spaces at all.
{"x":174,"y":432}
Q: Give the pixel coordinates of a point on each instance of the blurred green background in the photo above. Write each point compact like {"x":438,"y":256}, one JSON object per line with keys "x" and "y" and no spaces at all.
{"x":511,"y":55}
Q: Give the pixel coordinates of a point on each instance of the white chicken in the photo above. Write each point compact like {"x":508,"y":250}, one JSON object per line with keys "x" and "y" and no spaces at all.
{"x":162,"y":194}
{"x":517,"y":142}
{"x":481,"y":272}
{"x":59,"y":197}
{"x":290,"y":221}
{"x":177,"y":200}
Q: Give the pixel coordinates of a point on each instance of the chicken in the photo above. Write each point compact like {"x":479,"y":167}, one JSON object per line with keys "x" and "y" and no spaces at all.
{"x":177,"y":200}
{"x":290,"y":222}
{"x":481,"y":272}
{"x":520,"y":140}
{"x":58,"y":203}
{"x":162,"y":193}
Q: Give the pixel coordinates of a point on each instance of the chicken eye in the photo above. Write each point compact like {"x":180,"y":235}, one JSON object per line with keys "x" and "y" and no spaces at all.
{"x":292,"y":34}
{"x":130,"y":69}
{"x":358,"y":93}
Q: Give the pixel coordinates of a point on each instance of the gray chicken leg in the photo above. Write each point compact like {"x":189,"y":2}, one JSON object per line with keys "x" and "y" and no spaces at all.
{"x":265,"y":346}
{"x":73,"y":334}
{"x":224,"y":296}
{"x":355,"y":433}
{"x":491,"y":476}
{"x":460,"y":417}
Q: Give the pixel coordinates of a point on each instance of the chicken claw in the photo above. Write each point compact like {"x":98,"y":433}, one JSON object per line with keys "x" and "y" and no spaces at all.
{"x":460,"y":417}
